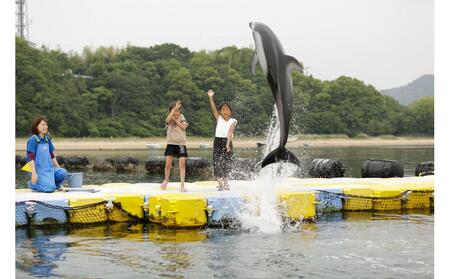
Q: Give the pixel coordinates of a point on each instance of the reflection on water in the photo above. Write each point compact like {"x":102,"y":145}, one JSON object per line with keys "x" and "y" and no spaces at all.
{"x":339,"y":245}
{"x":40,"y":250}
{"x":41,"y":253}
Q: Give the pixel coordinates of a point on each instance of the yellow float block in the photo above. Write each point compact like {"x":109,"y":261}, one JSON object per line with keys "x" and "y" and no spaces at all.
{"x":408,"y":183}
{"x":421,"y":195}
{"x":154,"y":209}
{"x":298,"y":205}
{"x":119,"y":209}
{"x":417,"y":200}
{"x":421,"y":191}
{"x":418,"y":197}
{"x":183,"y":210}
{"x":358,"y":203}
{"x":131,"y":203}
{"x":89,"y":214}
{"x":127,"y":207}
{"x":390,"y":199}
{"x":74,"y":202}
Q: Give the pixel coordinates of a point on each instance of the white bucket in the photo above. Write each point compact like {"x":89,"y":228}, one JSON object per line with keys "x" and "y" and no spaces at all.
{"x":75,"y":180}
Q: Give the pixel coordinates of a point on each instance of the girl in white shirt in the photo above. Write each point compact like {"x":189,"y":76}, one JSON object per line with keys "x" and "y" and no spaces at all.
{"x":223,"y":146}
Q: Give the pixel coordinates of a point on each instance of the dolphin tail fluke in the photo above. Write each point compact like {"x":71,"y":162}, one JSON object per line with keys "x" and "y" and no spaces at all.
{"x":280,"y":155}
{"x":293,"y":64}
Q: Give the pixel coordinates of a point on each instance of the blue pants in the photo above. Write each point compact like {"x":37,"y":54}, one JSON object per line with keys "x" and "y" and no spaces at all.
{"x":59,"y":174}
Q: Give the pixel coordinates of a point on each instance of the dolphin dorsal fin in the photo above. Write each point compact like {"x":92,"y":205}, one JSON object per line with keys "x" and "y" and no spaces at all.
{"x":254,"y":63}
{"x":293,"y":64}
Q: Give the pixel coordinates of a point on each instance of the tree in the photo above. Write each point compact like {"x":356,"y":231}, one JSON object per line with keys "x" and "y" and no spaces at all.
{"x":126,"y":92}
{"x":420,"y":114}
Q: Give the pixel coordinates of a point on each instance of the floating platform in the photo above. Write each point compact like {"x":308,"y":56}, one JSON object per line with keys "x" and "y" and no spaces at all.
{"x":297,"y":199}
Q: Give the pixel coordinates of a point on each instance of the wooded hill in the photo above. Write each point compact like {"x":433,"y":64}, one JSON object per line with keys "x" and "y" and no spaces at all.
{"x":418,"y":88}
{"x":108,"y":92}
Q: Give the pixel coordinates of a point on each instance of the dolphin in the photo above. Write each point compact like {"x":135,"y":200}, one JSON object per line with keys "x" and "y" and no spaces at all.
{"x":277,"y":68}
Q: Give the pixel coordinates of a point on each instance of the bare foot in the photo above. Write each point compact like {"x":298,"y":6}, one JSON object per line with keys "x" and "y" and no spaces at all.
{"x":182,"y":189}
{"x":164,"y":184}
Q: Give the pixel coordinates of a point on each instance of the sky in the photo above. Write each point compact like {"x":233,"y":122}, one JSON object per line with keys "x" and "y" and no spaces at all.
{"x":385,"y":43}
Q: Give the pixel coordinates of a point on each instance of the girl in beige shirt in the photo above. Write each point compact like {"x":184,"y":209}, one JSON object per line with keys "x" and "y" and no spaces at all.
{"x":176,"y":143}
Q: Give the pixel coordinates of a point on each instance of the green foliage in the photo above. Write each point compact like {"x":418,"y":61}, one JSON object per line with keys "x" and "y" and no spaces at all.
{"x":419,"y":116}
{"x":109,"y":92}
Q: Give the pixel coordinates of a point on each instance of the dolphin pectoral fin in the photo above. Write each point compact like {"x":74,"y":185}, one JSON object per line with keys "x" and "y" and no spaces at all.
{"x":293,"y":64}
{"x":280,"y":155}
{"x":254,"y":62}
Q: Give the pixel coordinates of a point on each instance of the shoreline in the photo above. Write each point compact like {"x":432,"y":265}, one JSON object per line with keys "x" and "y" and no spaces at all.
{"x":196,"y":142}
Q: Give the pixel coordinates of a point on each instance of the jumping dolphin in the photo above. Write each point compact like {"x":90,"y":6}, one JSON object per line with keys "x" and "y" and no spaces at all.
{"x":277,"y":68}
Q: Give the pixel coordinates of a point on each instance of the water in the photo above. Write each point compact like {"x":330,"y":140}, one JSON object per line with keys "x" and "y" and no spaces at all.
{"x":354,"y":245}
{"x":261,"y":214}
{"x":352,"y":157}
{"x":273,"y":133}
{"x":343,"y":245}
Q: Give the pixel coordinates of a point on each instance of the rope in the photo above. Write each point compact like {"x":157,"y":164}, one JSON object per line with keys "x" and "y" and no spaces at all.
{"x":399,"y":196}
{"x":60,"y":206}
{"x":103,"y":211}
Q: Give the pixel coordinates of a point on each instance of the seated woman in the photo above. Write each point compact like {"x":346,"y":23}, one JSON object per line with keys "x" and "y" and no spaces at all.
{"x":46,"y":174}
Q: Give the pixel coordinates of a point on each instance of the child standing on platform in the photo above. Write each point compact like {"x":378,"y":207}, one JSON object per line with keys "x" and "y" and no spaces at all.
{"x":223,"y":145}
{"x":176,"y":143}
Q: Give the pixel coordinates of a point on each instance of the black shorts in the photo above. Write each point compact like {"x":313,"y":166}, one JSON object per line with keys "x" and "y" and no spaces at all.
{"x":176,"y":150}
{"x":221,"y":158}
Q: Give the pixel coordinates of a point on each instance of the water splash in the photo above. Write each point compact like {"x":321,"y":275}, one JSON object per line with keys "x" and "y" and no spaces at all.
{"x":262,"y":214}
{"x":273,"y":133}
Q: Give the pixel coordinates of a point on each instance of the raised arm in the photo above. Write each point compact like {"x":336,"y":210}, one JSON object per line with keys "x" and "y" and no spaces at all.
{"x":172,"y":112}
{"x":211,"y":103}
